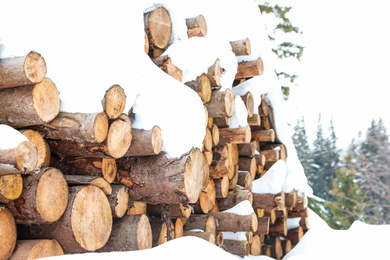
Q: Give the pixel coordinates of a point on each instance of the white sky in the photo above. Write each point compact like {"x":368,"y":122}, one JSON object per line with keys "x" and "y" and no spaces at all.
{"x":344,"y":68}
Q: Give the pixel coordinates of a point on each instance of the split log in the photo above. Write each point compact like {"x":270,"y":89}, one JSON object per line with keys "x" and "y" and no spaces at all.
{"x":233,"y":198}
{"x":97,"y":167}
{"x":8,"y":234}
{"x":235,"y":223}
{"x":114,"y":101}
{"x":158,"y":27}
{"x":214,"y":73}
{"x":196,"y":26}
{"x":19,"y":160}
{"x":207,"y":141}
{"x":221,"y":104}
{"x":276,"y":247}
{"x":165,"y":64}
{"x":153,"y":176}
{"x":295,"y":235}
{"x":207,"y":197}
{"x":240,"y":248}
{"x":279,"y":228}
{"x":179,"y":228}
{"x":11,"y":186}
{"x":37,"y":248}
{"x":248,"y":69}
{"x":160,"y":232}
{"x":249,"y":102}
{"x":137,"y":208}
{"x":146,"y":46}
{"x":264,"y":135}
{"x":119,"y":200}
{"x":43,"y":148}
{"x":221,"y":122}
{"x":132,"y":232}
{"x":235,"y":135}
{"x":201,"y":221}
{"x":245,"y":179}
{"x":78,"y":127}
{"x":145,"y":142}
{"x":241,"y":47}
{"x":248,"y":164}
{"x":263,"y":228}
{"x":222,"y":187}
{"x":202,"y":86}
{"x":24,"y":70}
{"x":264,"y":108}
{"x":215,"y":134}
{"x":256,"y":246}
{"x":85,"y":226}
{"x":208,"y":236}
{"x":29,"y":105}
{"x":247,"y":149}
{"x":175,"y":210}
{"x":254,"y":120}
{"x":43,"y":200}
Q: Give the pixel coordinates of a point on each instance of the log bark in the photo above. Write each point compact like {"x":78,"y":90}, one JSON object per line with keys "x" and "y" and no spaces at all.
{"x":241,"y":47}
{"x":221,"y":122}
{"x":291,"y":199}
{"x":11,"y":186}
{"x":43,"y":200}
{"x":29,"y":105}
{"x":286,"y":245}
{"x":235,"y":135}
{"x":295,"y":235}
{"x":214,"y":73}
{"x":19,"y":160}
{"x":196,"y":26}
{"x":249,"y":103}
{"x":221,"y":104}
{"x":208,"y":236}
{"x":279,"y":228}
{"x":254,"y":120}
{"x":304,"y":223}
{"x":158,"y":179}
{"x":263,"y":228}
{"x":78,"y":127}
{"x":158,"y":27}
{"x":202,"y":86}
{"x":233,"y":181}
{"x":248,"y":69}
{"x":37,"y":248}
{"x":165,"y":64}
{"x":264,"y":135}
{"x":207,"y":197}
{"x":235,"y":223}
{"x":264,"y":108}
{"x":266,"y":250}
{"x":260,"y":160}
{"x":8,"y":234}
{"x":276,"y":247}
{"x":269,"y":201}
{"x":132,"y":232}
{"x":234,"y":197}
{"x":298,"y":214}
{"x":119,"y":200}
{"x":245,"y":179}
{"x":277,"y":147}
{"x":248,"y":164}
{"x":175,"y":210}
{"x":265,"y":123}
{"x":89,"y":180}
{"x":43,"y":148}
{"x":209,"y":157}
{"x":24,"y":70}
{"x":256,"y":246}
{"x":221,"y":187}
{"x":222,"y":163}
{"x":145,"y":142}
{"x":114,"y":101}
{"x":247,"y":149}
{"x":201,"y":221}
{"x":160,"y":232}
{"x":240,"y":248}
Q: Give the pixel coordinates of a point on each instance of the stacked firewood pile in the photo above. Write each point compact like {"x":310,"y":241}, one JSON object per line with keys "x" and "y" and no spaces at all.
{"x":90,"y":182}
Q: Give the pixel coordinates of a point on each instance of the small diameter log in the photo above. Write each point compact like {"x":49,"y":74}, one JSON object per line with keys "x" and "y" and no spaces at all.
{"x":249,"y":103}
{"x":85,"y":226}
{"x":132,"y":232}
{"x":260,"y":160}
{"x":202,"y":86}
{"x":78,"y":127}
{"x":20,"y":71}
{"x":175,"y":210}
{"x":245,"y":179}
{"x":21,"y":159}
{"x":165,"y":64}
{"x":264,"y":135}
{"x":277,"y":147}
{"x":158,"y":27}
{"x":304,"y":223}
{"x":269,"y":201}
{"x":263,"y":228}
{"x":207,"y":197}
{"x":201,"y":221}
{"x":248,"y":164}
{"x":29,"y":105}
{"x":248,"y":69}
{"x":235,"y":135}
{"x":298,"y":214}
{"x":265,"y":123}
{"x":301,"y":204}
{"x":221,"y":104}
{"x":179,"y":228}
{"x":43,"y":200}
{"x":221,"y":122}
{"x":158,"y":179}
{"x":247,"y":149}
{"x":256,"y":246}
{"x":196,"y":26}
{"x":207,"y":141}
{"x":89,"y":180}
{"x":210,"y":120}
{"x":276,"y":247}
{"x":240,"y":248}
{"x":209,"y":157}
{"x":97,"y":167}
{"x":233,"y":181}
{"x":286,"y":245}
{"x":145,"y":142}
{"x":233,"y":198}
{"x":221,"y":164}
{"x":35,"y":249}
{"x":11,"y":186}
{"x":222,"y":187}
{"x":214,"y":73}
{"x":215,"y":134}
{"x":254,"y":120}
{"x":290,"y":199}
{"x":271,"y":156}
{"x":234,"y":153}
{"x":279,"y":228}
{"x":208,"y":236}
{"x":160,"y":232}
{"x":235,"y":223}
{"x":114,"y":101}
{"x":8,"y":233}
{"x":43,"y":148}
{"x":266,"y":250}
{"x":295,"y":235}
{"x":119,"y":200}
{"x":146,"y":46}
{"x":137,"y":208}
{"x":264,"y":108}
{"x":241,"y":47}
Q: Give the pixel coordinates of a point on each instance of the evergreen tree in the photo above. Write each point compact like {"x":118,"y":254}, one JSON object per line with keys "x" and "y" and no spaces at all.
{"x":301,"y":143}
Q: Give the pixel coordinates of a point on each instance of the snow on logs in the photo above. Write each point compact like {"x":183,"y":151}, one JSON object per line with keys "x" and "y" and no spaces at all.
{"x":158,"y":27}
{"x":21,"y":159}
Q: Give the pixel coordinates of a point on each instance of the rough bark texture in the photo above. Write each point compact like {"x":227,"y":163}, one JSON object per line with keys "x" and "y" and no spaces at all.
{"x":241,"y":47}
{"x":235,"y":223}
{"x":269,"y":201}
{"x":208,"y":236}
{"x":248,"y":69}
{"x":176,"y":211}
{"x":247,"y":149}
{"x":145,"y":142}
{"x":248,"y":164}
{"x":42,"y":146}
{"x":8,"y":233}
{"x":196,"y":26}
{"x":245,"y":179}
{"x":119,"y":200}
{"x":158,"y":27}
{"x":37,"y":248}
{"x":201,"y":221}
{"x":222,"y":187}
{"x":235,"y":135}
{"x":240,"y":248}
{"x":207,"y":197}
{"x":221,"y":104}
{"x":234,"y":197}
{"x":264,"y":135}
{"x":21,"y":159}
{"x":160,"y":232}
{"x":263,"y":228}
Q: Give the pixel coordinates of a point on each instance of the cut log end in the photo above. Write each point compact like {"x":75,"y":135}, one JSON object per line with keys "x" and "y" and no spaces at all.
{"x":158,"y":26}
{"x":109,"y":169}
{"x":34,"y":67}
{"x":196,"y":26}
{"x":144,"y":233}
{"x":46,"y":100}
{"x":114,"y":101}
{"x":101,"y":127}
{"x":42,"y":146}
{"x":157,"y":140}
{"x":26,"y":156}
{"x":35,"y":249}
{"x":11,"y":186}
{"x":241,"y":47}
{"x":229,"y":102}
{"x":8,"y":233}
{"x":119,"y":136}
{"x":194,"y":175}
{"x":121,"y":202}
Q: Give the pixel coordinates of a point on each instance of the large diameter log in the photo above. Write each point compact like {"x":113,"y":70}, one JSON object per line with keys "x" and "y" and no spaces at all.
{"x":132,"y":232}
{"x":158,"y":27}
{"x":201,"y":221}
{"x":264,"y":135}
{"x":214,"y":73}
{"x":20,"y":71}
{"x":114,"y":101}
{"x":8,"y":233}
{"x":202,"y":86}
{"x":29,"y":105}
{"x":196,"y":26}
{"x":240,"y":248}
{"x":159,"y":179}
{"x":119,"y":200}
{"x":248,"y":69}
{"x":43,"y":200}
{"x":235,"y":135}
{"x":221,"y":104}
{"x":78,"y":127}
{"x":11,"y":186}
{"x":234,"y":197}
{"x":20,"y":159}
{"x":241,"y":47}
{"x":145,"y":142}
{"x":37,"y":248}
{"x":43,"y":148}
{"x":85,"y":226}
{"x":235,"y":223}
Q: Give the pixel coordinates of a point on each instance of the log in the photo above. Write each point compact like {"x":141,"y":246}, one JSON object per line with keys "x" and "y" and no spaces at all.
{"x":295,"y":235}
{"x":277,"y":147}
{"x":291,"y":199}
{"x":266,"y":250}
{"x":256,"y":246}
{"x":8,"y":234}
{"x":96,"y":167}
{"x":37,"y":248}
{"x":235,"y":223}
{"x":153,"y":176}
{"x":196,"y":26}
{"x":43,"y":148}
{"x":234,"y":197}
{"x":78,"y":127}
{"x":209,"y":120}
{"x":214,"y":73}
{"x":165,"y":64}
{"x":271,"y":214}
{"x":19,"y":160}
{"x":263,"y":228}
{"x":276,"y":247}
{"x":207,"y":141}
{"x":235,"y":135}
{"x":254,"y":120}
{"x":245,"y":179}
{"x":265,"y":123}
{"x":269,"y":201}
{"x":304,"y":223}
{"x":156,"y":52}
{"x":234,"y":153}
{"x":179,"y":228}
{"x":175,"y":210}
{"x":233,"y":181}
{"x":207,"y":197}
{"x":137,"y":207}
{"x":247,"y":149}
{"x":201,"y":221}
{"x":264,"y":135}
{"x":215,"y":134}
{"x":89,"y":180}
{"x":202,"y":86}
{"x":279,"y":228}
{"x":221,"y":122}
{"x":11,"y":186}
{"x":240,"y":248}
{"x":221,"y":187}
{"x":264,"y":108}
{"x":85,"y":226}
{"x":146,"y":46}
{"x":132,"y":232}
{"x":249,"y":103}
{"x":298,"y":214}
{"x":114,"y":101}
{"x":248,"y":69}
{"x":208,"y":236}
{"x":24,"y":70}
{"x":221,"y":164}
{"x":260,"y":160}
{"x":221,"y":104}
{"x":119,"y":200}
{"x":209,"y":157}
{"x":43,"y":200}
{"x":38,"y":104}
{"x":286,"y":245}
{"x":241,"y":47}
{"x":160,"y":232}
{"x":248,"y":164}
{"x":158,"y":27}
{"x":145,"y":142}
